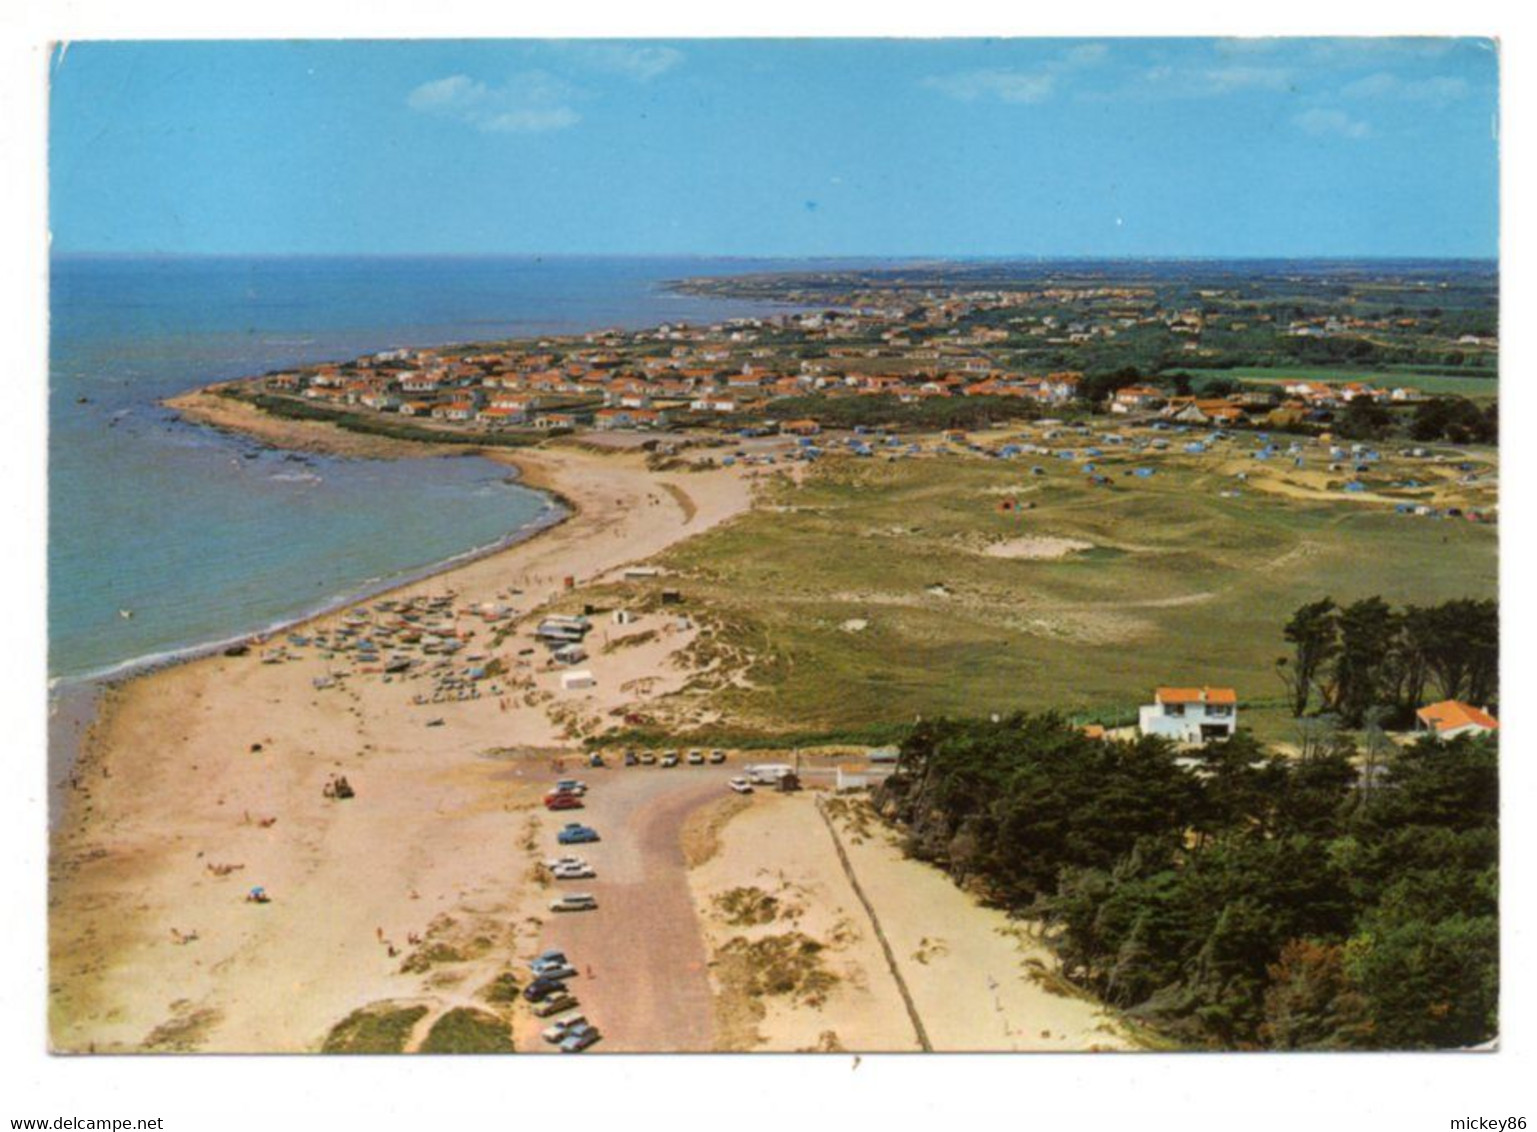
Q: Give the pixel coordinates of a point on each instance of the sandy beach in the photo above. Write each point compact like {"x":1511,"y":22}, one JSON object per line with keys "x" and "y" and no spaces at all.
{"x":203,"y":780}
{"x":974,"y":979}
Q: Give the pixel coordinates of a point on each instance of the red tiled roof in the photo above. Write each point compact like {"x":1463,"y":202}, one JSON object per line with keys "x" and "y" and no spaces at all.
{"x":1448,"y":715}
{"x":1196,"y":696}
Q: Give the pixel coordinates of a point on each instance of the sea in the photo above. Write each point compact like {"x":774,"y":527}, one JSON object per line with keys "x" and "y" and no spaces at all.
{"x":166,"y":538}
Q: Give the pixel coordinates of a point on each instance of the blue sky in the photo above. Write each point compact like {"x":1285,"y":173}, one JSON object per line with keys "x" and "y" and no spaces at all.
{"x":1152,"y":147}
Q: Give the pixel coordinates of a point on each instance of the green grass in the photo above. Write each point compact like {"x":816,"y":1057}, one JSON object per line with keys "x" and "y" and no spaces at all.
{"x":1480,"y":384}
{"x":467,"y":1030}
{"x":380,"y":1027}
{"x":502,"y":990}
{"x":1197,"y":593}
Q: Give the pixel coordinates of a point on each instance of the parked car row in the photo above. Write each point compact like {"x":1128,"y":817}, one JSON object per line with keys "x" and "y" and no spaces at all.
{"x":550,"y":997}
{"x":673,"y":758}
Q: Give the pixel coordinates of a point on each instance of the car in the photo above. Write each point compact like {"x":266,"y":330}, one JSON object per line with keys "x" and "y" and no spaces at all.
{"x":595,"y":760}
{"x":582,"y":871}
{"x":557,"y":1031}
{"x":579,"y":1039}
{"x":575,"y":902}
{"x":570,"y":786}
{"x":717,"y":757}
{"x":696,"y":758}
{"x":559,"y":972}
{"x":577,"y":834}
{"x":648,"y":759}
{"x":740,"y":785}
{"x":541,"y":989}
{"x":556,"y":862}
{"x":630,"y":759}
{"x":564,"y":802}
{"x":669,"y":759}
{"x":557,"y":1005}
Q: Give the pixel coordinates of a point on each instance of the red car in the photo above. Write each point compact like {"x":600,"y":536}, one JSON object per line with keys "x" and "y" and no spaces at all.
{"x":562,"y":802}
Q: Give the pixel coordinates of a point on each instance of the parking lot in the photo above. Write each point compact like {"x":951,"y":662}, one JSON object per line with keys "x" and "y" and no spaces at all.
{"x":640,"y":956}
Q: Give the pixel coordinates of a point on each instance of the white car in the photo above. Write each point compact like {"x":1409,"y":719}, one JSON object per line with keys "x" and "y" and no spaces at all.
{"x":562,"y":862}
{"x":576,"y":870}
{"x":576,"y":902}
{"x":740,"y":785}
{"x":556,"y":1031}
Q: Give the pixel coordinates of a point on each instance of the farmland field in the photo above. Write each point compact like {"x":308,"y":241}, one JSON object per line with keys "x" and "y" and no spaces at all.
{"x":875,"y":592}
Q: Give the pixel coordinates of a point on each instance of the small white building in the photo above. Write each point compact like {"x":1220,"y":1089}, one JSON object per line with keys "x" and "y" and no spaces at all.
{"x":1190,"y":715}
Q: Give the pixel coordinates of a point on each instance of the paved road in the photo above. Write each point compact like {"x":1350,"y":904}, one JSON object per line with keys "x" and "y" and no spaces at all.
{"x":648,"y":988}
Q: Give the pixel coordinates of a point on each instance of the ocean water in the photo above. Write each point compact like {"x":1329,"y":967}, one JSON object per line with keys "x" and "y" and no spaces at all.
{"x":202,"y":536}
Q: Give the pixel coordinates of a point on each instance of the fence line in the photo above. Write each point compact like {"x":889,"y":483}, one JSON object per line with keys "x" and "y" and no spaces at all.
{"x":880,"y":935}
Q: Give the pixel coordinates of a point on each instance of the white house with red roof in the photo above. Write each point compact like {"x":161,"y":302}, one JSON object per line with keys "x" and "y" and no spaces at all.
{"x":1190,"y":715}
{"x":1451,"y":718}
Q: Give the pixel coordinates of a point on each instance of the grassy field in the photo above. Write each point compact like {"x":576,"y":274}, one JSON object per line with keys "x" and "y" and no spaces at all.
{"x":1426,"y":382}
{"x":862,"y":597}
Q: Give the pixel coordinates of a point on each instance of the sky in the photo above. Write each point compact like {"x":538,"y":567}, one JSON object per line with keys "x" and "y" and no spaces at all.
{"x":946,"y":147}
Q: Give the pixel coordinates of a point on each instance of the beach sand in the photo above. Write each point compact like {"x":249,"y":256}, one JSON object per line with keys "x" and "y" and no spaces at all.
{"x":976,"y":979}
{"x":200,"y":781}
{"x":779,"y":847}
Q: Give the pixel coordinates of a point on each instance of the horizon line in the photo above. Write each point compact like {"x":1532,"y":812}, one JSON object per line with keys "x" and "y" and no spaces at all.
{"x":884,"y":257}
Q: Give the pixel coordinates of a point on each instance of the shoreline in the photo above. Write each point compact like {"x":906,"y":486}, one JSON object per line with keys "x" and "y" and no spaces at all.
{"x":77,"y":701}
{"x":81,"y":698}
{"x":183,"y":772}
